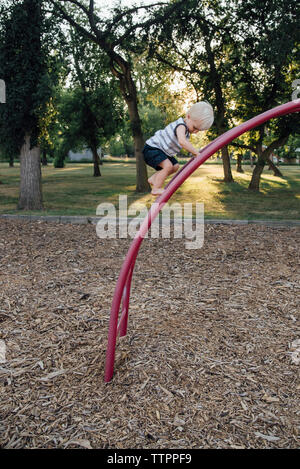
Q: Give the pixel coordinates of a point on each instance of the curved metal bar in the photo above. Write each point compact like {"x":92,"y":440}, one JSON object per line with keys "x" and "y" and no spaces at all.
{"x":122,"y":289}
{"x":122,"y":326}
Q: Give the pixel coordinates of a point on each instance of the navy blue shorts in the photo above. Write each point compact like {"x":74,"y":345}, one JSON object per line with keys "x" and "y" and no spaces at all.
{"x":154,"y":156}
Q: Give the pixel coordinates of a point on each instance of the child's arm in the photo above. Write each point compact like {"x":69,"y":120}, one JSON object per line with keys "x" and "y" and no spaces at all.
{"x":183,"y":141}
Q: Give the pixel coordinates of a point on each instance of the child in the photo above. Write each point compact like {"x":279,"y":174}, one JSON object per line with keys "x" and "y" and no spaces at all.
{"x":160,"y":149}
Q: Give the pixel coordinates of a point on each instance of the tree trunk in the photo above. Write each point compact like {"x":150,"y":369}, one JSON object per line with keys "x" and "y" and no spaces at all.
{"x":273,"y":167}
{"x":142,"y":184}
{"x":257,"y":172}
{"x":127,"y":147}
{"x":220,"y":103}
{"x":261,"y":161}
{"x":239,"y":164}
{"x":11,"y":161}
{"x":226,"y":165}
{"x":128,"y":90}
{"x":30,"y":197}
{"x":263,"y":157}
{"x":96,"y":161}
{"x":44,"y":158}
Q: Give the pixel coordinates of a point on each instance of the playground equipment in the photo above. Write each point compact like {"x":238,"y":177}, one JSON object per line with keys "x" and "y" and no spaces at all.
{"x":122,"y":289}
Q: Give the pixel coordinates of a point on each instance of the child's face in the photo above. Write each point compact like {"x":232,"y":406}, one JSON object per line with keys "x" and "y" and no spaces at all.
{"x":192,"y":125}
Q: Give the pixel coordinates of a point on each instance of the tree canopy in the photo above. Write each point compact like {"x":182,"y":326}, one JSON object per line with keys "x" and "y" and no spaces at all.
{"x":29,"y":73}
{"x":78,"y":75}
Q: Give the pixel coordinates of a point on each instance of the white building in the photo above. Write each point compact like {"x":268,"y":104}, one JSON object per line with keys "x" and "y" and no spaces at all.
{"x":85,"y":154}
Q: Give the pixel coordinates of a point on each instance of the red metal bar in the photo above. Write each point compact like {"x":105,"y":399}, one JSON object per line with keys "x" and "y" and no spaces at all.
{"x":122,"y":326}
{"x":122,"y":289}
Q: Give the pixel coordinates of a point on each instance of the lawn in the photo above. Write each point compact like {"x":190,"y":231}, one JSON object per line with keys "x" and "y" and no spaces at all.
{"x":74,"y":191}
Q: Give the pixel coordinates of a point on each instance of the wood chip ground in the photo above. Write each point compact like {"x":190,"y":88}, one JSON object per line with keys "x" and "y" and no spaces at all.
{"x":211,"y":358}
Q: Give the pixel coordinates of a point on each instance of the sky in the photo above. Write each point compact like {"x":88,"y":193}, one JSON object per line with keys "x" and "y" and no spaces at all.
{"x":103,"y":3}
{"x":106,"y":6}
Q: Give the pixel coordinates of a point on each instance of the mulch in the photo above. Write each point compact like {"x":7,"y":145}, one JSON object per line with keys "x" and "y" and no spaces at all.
{"x":212,"y":354}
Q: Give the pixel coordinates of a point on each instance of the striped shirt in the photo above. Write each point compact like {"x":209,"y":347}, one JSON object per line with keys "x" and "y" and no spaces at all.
{"x":166,"y":139}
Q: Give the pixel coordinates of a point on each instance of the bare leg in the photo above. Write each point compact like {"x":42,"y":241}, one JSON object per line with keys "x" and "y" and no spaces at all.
{"x":175,"y":168}
{"x":152,"y":179}
{"x":160,"y":176}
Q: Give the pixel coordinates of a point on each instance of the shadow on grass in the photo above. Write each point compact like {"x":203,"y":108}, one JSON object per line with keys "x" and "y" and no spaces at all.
{"x":277,"y":198}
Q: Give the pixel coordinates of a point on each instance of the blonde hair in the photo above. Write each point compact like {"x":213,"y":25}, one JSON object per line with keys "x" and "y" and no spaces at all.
{"x":202,"y":113}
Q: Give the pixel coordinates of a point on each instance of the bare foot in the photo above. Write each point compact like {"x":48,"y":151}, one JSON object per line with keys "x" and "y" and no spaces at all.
{"x":157,"y":191}
{"x":151,"y":180}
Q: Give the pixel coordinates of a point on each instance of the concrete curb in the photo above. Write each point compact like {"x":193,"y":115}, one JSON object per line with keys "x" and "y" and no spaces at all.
{"x":74,"y":219}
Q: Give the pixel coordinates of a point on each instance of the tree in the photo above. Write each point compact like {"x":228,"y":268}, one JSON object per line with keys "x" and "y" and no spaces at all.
{"x":268,"y":63}
{"x":86,"y":118}
{"x":90,"y":109}
{"x":196,"y":43}
{"x":241,"y":56}
{"x":117,"y":37}
{"x":24,"y":67}
{"x":157,"y":105}
{"x":292,"y":150}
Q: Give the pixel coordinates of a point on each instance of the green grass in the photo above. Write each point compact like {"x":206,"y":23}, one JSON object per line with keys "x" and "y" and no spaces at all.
{"x":74,"y":191}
